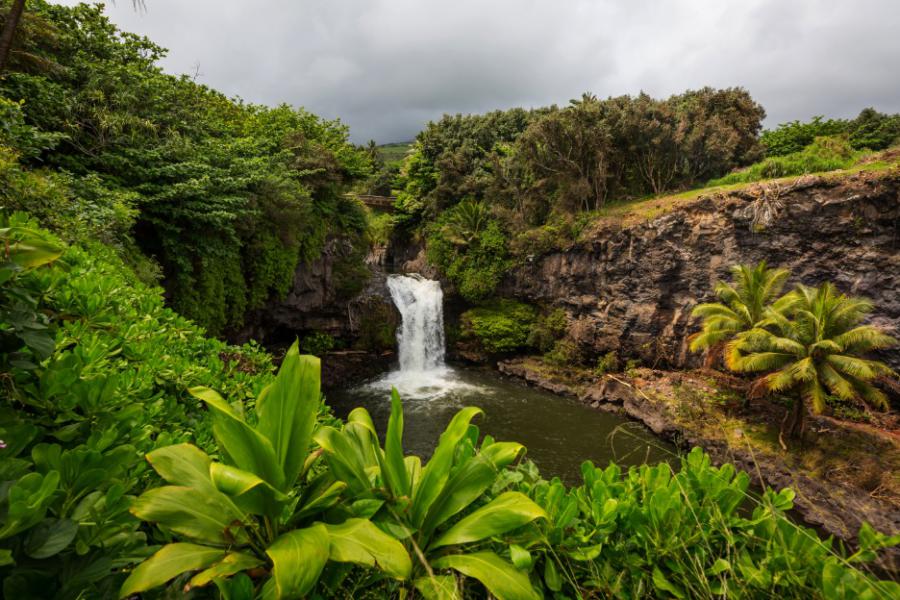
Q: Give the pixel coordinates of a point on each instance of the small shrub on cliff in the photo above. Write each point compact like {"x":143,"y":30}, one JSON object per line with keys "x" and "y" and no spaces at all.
{"x":317,"y":343}
{"x":608,"y":363}
{"x":500,"y":327}
{"x":563,"y":353}
{"x":548,"y":329}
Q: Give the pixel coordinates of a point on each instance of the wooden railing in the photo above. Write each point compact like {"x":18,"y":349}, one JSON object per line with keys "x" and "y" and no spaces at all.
{"x":380,"y":202}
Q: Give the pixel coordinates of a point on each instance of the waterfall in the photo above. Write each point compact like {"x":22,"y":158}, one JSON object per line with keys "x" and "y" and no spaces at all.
{"x":420,"y":339}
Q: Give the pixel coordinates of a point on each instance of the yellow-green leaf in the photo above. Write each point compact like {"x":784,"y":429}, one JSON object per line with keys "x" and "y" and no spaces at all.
{"x":172,"y":560}
{"x":359,"y":541}
{"x":500,"y":578}
{"x":504,"y":513}
{"x":298,"y":558}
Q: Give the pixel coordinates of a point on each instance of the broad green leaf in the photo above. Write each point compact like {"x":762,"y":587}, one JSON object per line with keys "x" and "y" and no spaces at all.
{"x":233,"y":563}
{"x":319,"y":500}
{"x":172,"y":560}
{"x":344,"y":458}
{"x":498,"y":576}
{"x":27,"y":501}
{"x":502,"y":453}
{"x":182,"y":464}
{"x":359,"y":541}
{"x":243,"y":445}
{"x":520,"y":557}
{"x":247,"y":491}
{"x":239,"y":587}
{"x":287,"y":411}
{"x":439,"y":587}
{"x":298,"y":558}
{"x":6,"y":557}
{"x":466,"y":485}
{"x":663,"y":584}
{"x":207,"y":516}
{"x":504,"y":513}
{"x":437,"y":471}
{"x":50,"y":537}
{"x":394,"y":469}
{"x":551,"y":575}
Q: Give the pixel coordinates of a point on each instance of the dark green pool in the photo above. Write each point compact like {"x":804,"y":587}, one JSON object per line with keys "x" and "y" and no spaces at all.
{"x":560,"y":433}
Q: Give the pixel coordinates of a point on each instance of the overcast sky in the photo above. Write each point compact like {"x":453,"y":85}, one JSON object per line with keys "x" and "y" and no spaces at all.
{"x":385,"y":67}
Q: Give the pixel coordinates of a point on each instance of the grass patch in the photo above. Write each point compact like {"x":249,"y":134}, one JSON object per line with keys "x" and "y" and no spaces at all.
{"x":394,"y":153}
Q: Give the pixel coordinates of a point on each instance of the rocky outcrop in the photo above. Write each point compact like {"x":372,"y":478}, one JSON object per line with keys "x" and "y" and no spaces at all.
{"x":631,"y":288}
{"x":352,"y":305}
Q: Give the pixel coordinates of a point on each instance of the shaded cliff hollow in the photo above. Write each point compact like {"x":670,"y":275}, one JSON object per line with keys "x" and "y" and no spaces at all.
{"x":630,"y":284}
{"x":337,"y":295}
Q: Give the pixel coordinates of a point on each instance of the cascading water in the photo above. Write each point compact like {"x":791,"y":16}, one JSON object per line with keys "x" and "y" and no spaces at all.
{"x":420,"y":339}
{"x":420,"y":342}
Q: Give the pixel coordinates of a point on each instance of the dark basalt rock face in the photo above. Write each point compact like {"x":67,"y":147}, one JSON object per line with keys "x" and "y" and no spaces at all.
{"x":632,"y":288}
{"x":364,"y":321}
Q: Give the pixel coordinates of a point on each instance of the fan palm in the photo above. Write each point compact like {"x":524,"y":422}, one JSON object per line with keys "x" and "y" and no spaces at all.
{"x":815,"y":347}
{"x":743,"y":306}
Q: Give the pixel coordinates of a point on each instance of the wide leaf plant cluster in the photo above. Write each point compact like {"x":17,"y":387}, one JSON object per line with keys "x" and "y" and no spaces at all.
{"x":422,"y":505}
{"x":250,"y":511}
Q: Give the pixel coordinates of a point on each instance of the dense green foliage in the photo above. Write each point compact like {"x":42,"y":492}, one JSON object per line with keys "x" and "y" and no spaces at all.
{"x":810,"y":341}
{"x":259,"y":505}
{"x":500,"y":326}
{"x":530,"y":173}
{"x":79,"y":413}
{"x":813,"y":343}
{"x":226,"y":197}
{"x":823,"y":154}
{"x":869,"y":130}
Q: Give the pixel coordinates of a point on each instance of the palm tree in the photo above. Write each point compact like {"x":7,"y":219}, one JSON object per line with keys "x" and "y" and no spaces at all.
{"x":815,"y":347}
{"x":466,"y":221}
{"x":743,"y":307}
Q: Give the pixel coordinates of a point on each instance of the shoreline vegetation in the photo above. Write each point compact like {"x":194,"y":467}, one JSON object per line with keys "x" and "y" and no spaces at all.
{"x":145,"y":218}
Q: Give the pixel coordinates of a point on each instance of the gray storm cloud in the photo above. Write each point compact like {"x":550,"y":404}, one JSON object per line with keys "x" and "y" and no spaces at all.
{"x":385,"y":67}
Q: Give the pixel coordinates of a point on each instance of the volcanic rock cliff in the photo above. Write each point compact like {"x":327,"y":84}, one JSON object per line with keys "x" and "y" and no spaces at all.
{"x":630,"y":287}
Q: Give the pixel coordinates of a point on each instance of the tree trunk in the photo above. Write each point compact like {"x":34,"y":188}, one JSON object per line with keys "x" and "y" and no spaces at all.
{"x":9,"y":31}
{"x":795,"y":428}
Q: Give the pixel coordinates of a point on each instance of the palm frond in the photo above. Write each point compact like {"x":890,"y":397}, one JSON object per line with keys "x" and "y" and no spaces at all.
{"x":760,"y":361}
{"x":864,"y":338}
{"x":871,"y":395}
{"x":814,"y":393}
{"x":836,"y":384}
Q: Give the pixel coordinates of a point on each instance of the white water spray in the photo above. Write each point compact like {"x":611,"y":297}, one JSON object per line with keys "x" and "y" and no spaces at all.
{"x":420,"y":342}
{"x":420,"y":339}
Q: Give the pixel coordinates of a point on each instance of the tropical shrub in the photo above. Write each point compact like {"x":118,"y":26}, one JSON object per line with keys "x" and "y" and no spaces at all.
{"x":257,"y":506}
{"x":753,"y":290}
{"x":792,"y":137}
{"x":470,"y":248}
{"x":500,"y":326}
{"x":548,"y":329}
{"x":608,"y":363}
{"x":814,"y":347}
{"x":97,"y":378}
{"x":317,"y":343}
{"x":422,"y":504}
{"x":652,"y":532}
{"x":869,"y":130}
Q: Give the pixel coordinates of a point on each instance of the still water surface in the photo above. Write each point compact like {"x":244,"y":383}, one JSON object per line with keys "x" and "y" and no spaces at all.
{"x":560,"y":433}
